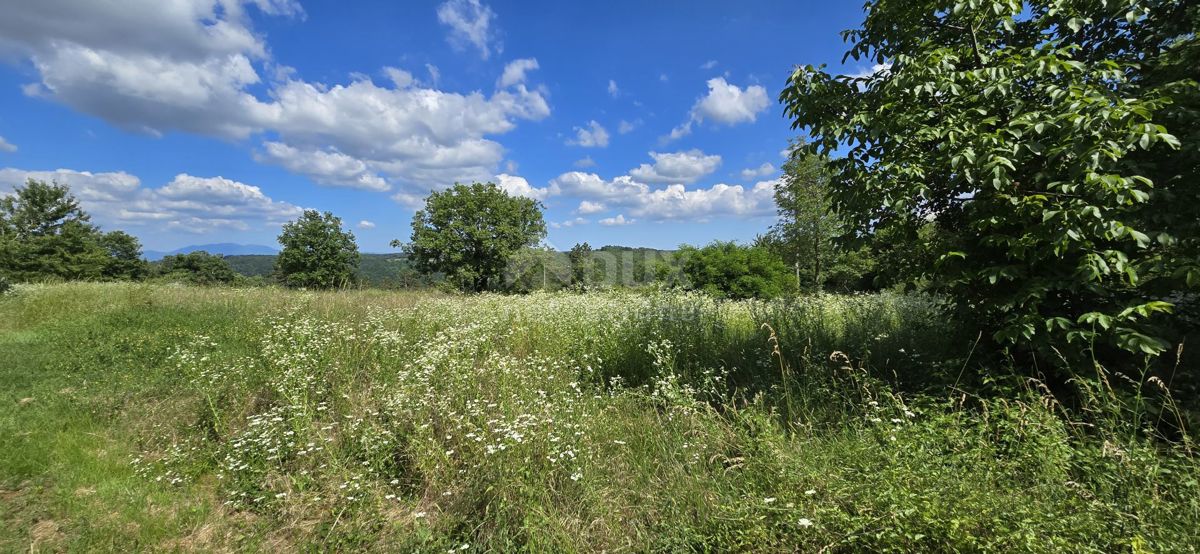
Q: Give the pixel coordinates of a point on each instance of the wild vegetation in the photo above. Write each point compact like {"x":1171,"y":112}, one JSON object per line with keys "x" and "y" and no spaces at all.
{"x":968,"y":330}
{"x":165,"y":418}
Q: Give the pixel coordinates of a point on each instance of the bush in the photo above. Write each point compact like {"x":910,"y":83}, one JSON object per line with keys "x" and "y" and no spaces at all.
{"x":728,"y":270}
{"x":198,"y":268}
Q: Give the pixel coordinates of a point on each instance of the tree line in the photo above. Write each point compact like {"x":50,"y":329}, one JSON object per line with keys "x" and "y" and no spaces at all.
{"x":469,"y":237}
{"x":46,"y":235}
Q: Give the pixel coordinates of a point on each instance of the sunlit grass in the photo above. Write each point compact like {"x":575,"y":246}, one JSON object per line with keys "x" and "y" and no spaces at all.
{"x":162,"y":417}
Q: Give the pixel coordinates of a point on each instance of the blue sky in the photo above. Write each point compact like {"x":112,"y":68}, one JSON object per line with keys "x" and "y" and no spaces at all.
{"x":199,"y":121}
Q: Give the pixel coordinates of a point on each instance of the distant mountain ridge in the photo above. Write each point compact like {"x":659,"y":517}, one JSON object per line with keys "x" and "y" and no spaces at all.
{"x":222,"y":248}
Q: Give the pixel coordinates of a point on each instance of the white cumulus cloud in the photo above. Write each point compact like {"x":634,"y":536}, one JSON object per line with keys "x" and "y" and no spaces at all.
{"x":568,"y":223}
{"x":674,"y":202}
{"x":325,"y":167}
{"x":147,"y":65}
{"x":117,"y":200}
{"x":589,"y":185}
{"x":591,"y":136}
{"x":399,"y":77}
{"x":677,"y":167}
{"x":755,"y":172}
{"x":519,"y":186}
{"x":364,"y":224}
{"x":588,"y":207}
{"x":613,"y":91}
{"x":725,"y":104}
{"x":6,"y":146}
{"x":194,"y":66}
{"x":616,"y":221}
{"x":514,"y":72}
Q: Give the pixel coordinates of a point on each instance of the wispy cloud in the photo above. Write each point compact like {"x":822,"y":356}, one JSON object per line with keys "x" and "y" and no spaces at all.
{"x":593,"y":135}
{"x":470,"y":24}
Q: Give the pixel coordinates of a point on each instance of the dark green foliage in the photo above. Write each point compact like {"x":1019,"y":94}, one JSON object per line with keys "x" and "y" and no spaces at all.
{"x":1174,"y":205}
{"x":583,"y":266}
{"x":729,"y":270}
{"x":317,"y":252}
{"x":385,"y":271}
{"x":392,"y":271}
{"x":199,"y":268}
{"x":536,"y":268}
{"x":252,"y":265}
{"x":1031,"y":136}
{"x":45,"y":234}
{"x":469,"y":232}
{"x":124,"y":257}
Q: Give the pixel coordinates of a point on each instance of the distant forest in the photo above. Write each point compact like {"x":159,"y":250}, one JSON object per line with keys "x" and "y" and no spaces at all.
{"x":392,"y":271}
{"x":374,"y":270}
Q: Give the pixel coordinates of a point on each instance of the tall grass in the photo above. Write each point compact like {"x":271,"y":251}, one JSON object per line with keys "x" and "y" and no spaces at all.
{"x":156,"y":417}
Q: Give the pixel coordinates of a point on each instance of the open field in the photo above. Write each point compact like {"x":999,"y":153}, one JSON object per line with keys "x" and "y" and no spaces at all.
{"x":157,"y":417}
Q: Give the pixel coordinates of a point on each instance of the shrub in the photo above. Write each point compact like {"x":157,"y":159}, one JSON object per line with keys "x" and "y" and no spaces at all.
{"x":728,"y":270}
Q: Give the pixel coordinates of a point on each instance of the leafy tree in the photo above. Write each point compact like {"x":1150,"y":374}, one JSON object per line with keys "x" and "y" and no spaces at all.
{"x":1026,"y":133}
{"x":468,"y":232}
{"x":807,"y":226}
{"x":583,"y":266}
{"x":668,"y":272}
{"x":44,"y":233}
{"x":728,"y":270}
{"x":317,"y":253}
{"x":199,"y":268}
{"x":1168,"y":50}
{"x":536,"y":268}
{"x":124,"y":257}
{"x":40,"y":209}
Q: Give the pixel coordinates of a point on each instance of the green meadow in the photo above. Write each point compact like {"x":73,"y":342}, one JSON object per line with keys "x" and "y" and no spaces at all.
{"x":152,"y":417}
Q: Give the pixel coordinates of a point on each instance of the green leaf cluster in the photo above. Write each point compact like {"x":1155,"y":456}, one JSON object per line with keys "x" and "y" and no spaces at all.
{"x":1051,"y":145}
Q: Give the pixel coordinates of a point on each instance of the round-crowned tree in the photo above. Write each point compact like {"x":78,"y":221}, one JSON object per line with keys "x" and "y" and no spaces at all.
{"x":124,"y":256}
{"x":317,"y":253}
{"x":468,"y":233}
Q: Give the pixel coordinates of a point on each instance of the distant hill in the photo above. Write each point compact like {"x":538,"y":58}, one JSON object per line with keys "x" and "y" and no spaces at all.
{"x":222,"y":248}
{"x":394,"y":270}
{"x":374,"y":270}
